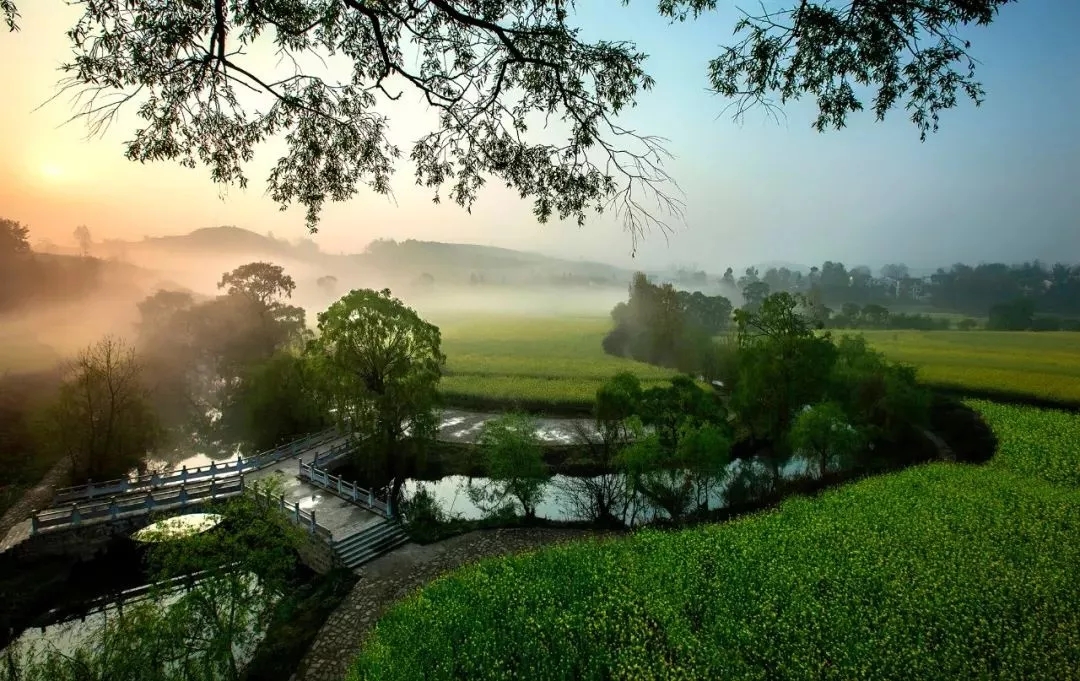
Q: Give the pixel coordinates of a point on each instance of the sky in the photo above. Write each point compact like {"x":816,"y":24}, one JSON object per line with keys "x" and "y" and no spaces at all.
{"x":997,"y":183}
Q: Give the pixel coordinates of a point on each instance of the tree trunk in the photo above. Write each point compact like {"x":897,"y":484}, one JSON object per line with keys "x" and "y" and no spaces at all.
{"x":395,"y":494}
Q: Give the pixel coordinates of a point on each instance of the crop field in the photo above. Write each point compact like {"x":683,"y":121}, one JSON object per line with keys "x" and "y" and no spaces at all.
{"x":943,"y":571}
{"x":541,"y":361}
{"x":558,"y":360}
{"x":1035,"y":442}
{"x":1038,"y":364}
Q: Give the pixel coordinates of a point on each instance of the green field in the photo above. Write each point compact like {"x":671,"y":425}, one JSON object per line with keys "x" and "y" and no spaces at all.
{"x":558,"y":361}
{"x":1038,"y":364}
{"x":540,"y":361}
{"x":943,"y":571}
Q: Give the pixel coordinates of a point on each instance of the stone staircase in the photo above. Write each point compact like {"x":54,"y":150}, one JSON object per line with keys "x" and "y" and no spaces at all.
{"x":370,"y":542}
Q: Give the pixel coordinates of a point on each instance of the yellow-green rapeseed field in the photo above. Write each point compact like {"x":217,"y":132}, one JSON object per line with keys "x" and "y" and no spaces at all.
{"x":1037,"y":443}
{"x":943,"y":571}
{"x":559,"y":360}
{"x":537,"y":360}
{"x":1038,"y":364}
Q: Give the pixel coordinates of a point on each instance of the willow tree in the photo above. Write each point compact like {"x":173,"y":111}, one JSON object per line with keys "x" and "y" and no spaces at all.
{"x":489,"y":70}
{"x":378,"y":365}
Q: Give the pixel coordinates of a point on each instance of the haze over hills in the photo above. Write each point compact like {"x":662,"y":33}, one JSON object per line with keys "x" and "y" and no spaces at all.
{"x":383,"y":262}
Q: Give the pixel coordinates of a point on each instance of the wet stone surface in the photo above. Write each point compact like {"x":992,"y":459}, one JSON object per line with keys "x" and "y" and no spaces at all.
{"x":458,"y":425}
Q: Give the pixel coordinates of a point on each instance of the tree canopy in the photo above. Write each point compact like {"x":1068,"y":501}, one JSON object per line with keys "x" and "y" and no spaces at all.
{"x":102,"y":419}
{"x":378,"y":365}
{"x":488,"y":69}
{"x":13,"y":238}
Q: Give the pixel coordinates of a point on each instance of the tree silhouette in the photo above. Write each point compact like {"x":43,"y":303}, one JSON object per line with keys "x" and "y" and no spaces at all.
{"x":13,"y":237}
{"x":82,"y":237}
{"x":488,"y":69}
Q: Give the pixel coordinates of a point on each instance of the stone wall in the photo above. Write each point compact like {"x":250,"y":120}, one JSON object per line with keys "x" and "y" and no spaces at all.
{"x":86,"y":540}
{"x":82,"y":541}
{"x":317,"y":554}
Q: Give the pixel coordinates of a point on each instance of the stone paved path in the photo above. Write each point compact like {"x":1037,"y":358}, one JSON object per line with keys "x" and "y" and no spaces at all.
{"x":15,"y":523}
{"x":393,"y":576}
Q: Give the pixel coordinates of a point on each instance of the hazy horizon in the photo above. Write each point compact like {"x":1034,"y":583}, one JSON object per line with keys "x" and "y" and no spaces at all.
{"x":995,"y":184}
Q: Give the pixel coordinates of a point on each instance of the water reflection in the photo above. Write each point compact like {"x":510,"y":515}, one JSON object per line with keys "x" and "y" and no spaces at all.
{"x":67,"y":635}
{"x":558,"y":503}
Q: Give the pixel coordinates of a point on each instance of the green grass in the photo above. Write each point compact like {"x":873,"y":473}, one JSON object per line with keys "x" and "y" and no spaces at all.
{"x":1044,"y":365}
{"x":556,"y":361}
{"x":944,"y":571}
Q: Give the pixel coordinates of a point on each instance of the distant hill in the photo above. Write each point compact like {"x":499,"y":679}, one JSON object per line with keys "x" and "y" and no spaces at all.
{"x":491,"y":263}
{"x":397,"y":261}
{"x":218,"y":240}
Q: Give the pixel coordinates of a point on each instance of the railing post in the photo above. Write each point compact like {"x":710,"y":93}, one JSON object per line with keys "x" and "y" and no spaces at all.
{"x":33,"y":522}
{"x":76,"y":517}
{"x":155,"y":479}
{"x":282,"y":503}
{"x":239,"y":464}
{"x":353,"y":492}
{"x":369,"y":500}
{"x":212,"y":469}
{"x":148,"y":501}
{"x":296,"y":510}
{"x":389,"y":511}
{"x":313,"y":521}
{"x":183,"y":494}
{"x":90,"y":488}
{"x":183,"y":473}
{"x":301,"y":462}
{"x":114,"y":510}
{"x":241,"y":482}
{"x":213,"y":488}
{"x":339,"y":486}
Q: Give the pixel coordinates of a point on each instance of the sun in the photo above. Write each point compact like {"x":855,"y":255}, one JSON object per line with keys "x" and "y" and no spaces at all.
{"x":52,"y":171}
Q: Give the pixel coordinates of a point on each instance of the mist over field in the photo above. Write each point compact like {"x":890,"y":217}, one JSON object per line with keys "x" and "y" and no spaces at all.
{"x":443,"y":282}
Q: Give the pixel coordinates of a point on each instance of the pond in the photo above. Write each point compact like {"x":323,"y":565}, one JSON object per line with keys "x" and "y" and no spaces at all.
{"x":558,"y":502}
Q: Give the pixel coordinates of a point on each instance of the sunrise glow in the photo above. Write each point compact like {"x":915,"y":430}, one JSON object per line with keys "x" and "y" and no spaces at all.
{"x":52,"y":171}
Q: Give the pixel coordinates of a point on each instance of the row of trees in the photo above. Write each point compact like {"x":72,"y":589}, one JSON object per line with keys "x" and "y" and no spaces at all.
{"x":669,"y":328}
{"x":960,"y":288}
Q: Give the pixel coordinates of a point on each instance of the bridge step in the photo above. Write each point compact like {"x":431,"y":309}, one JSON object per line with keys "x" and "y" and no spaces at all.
{"x":370,"y":543}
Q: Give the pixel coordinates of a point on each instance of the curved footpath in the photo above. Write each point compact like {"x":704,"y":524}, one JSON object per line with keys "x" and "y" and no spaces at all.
{"x":390,"y":578}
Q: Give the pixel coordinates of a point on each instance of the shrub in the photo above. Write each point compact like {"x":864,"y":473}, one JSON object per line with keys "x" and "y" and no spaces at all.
{"x":423,"y":515}
{"x":514,"y":463}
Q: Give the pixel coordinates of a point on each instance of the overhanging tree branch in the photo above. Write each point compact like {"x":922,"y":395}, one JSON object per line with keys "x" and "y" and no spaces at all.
{"x":489,"y":69}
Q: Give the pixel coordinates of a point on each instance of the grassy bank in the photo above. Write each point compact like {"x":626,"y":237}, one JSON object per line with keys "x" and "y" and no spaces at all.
{"x":940,"y":571}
